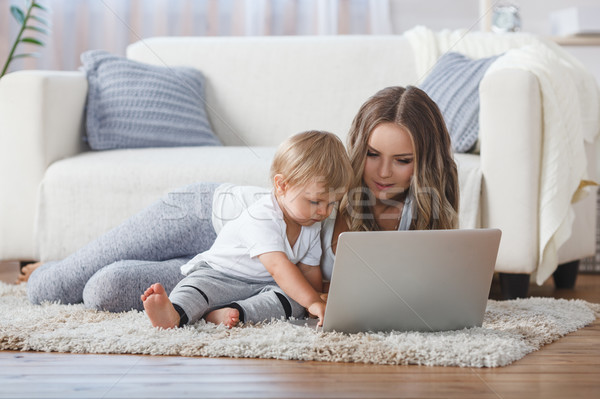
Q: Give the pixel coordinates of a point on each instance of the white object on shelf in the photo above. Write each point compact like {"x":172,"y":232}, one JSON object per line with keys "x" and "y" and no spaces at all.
{"x":506,"y":17}
{"x":582,"y":20}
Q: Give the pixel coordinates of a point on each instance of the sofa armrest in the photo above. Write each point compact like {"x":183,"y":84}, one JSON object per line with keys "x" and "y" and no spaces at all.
{"x":41,"y":121}
{"x":511,"y":138}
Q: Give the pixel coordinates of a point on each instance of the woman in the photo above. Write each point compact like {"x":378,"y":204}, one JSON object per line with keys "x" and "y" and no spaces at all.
{"x":405,"y":178}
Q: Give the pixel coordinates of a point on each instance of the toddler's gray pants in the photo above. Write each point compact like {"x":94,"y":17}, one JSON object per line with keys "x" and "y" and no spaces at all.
{"x":208,"y":289}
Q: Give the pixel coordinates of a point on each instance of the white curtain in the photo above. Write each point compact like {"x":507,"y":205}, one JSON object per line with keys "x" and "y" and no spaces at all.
{"x":80,"y":25}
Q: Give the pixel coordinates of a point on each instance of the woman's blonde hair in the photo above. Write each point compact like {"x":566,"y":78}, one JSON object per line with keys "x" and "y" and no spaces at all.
{"x":313,"y":155}
{"x":434,"y":185}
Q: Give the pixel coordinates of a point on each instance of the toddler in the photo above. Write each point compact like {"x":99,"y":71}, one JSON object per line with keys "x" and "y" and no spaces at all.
{"x":265,"y":263}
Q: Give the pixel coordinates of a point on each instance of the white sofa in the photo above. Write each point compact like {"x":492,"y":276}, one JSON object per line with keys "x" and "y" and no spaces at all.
{"x":57,"y":195}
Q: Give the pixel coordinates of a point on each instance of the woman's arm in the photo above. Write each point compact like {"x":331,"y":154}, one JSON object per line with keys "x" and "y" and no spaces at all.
{"x":291,"y":280}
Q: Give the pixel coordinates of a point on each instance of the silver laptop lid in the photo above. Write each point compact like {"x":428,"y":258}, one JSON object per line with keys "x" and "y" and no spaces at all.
{"x":429,"y":280}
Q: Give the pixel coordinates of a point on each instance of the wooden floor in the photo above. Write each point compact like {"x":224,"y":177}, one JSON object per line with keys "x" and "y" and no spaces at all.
{"x":568,"y":368}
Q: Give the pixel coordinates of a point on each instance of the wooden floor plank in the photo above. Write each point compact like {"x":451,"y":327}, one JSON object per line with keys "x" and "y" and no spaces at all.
{"x":310,"y":390}
{"x":538,"y":368}
{"x":9,"y":271}
{"x":547,"y":390}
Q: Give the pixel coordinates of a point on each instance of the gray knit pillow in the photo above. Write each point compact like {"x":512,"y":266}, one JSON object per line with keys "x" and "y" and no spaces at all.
{"x":135,"y":105}
{"x":454,"y":85}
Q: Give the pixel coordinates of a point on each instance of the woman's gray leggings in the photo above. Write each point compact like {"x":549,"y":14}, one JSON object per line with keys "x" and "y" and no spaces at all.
{"x":111,"y":272}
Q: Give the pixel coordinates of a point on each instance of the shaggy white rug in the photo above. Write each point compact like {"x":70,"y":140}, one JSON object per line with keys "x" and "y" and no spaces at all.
{"x":511,"y":330}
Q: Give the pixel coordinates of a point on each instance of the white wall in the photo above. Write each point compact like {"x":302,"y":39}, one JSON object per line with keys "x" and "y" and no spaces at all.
{"x":435,"y":14}
{"x":536,"y":13}
{"x":455,"y":14}
{"x":459,"y":14}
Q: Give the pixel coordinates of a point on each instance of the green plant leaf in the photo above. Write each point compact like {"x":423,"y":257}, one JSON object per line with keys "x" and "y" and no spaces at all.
{"x":38,"y":5}
{"x":32,"y":40}
{"x":34,"y":55}
{"x":26,"y":24}
{"x":40,"y":20}
{"x":18,"y":14}
{"x":37,"y":29}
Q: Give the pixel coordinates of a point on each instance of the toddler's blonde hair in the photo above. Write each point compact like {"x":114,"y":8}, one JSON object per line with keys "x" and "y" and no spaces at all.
{"x":313,"y":155}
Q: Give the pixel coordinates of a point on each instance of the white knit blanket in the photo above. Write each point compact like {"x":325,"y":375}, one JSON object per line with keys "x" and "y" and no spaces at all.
{"x":571,"y":116}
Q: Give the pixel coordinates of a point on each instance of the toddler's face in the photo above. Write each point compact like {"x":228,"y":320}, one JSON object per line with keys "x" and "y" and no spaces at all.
{"x":308,"y":204}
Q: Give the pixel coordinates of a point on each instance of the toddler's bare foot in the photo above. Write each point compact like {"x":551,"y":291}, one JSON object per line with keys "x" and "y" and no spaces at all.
{"x":159,"y":308}
{"x":26,"y":272}
{"x":229,"y":317}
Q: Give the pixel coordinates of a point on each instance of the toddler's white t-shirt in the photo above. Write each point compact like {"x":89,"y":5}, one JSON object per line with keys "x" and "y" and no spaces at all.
{"x":258,"y":229}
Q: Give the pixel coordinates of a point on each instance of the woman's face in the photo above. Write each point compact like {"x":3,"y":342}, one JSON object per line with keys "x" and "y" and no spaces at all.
{"x":390,"y":161}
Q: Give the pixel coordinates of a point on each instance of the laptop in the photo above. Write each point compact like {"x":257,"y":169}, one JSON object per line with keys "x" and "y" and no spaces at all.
{"x":425,"y":280}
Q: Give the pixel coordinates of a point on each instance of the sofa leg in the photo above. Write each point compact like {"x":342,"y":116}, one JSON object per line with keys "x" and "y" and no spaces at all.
{"x":514,"y":285}
{"x":566,"y":274}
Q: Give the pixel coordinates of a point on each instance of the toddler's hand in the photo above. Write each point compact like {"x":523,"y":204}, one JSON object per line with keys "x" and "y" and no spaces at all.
{"x":317,"y":309}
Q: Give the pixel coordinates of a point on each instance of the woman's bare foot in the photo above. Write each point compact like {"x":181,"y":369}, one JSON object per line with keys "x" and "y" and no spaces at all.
{"x":159,"y":308}
{"x":26,"y":272}
{"x":229,"y":317}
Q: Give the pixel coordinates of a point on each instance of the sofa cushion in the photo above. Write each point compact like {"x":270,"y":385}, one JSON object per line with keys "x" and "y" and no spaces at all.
{"x":454,"y":85}
{"x":134,"y":105}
